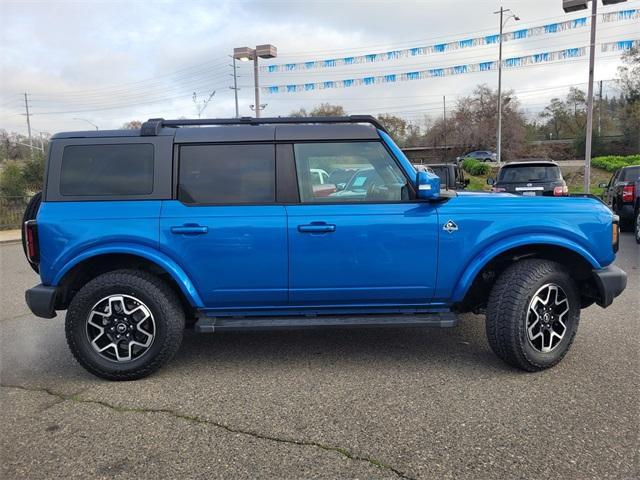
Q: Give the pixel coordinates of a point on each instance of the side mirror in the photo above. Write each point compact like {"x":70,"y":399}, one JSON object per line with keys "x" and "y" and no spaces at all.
{"x":491,"y":181}
{"x":602,"y":185}
{"x":428,"y":185}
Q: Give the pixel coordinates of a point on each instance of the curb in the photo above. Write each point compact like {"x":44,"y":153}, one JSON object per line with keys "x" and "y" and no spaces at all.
{"x":10,"y":236}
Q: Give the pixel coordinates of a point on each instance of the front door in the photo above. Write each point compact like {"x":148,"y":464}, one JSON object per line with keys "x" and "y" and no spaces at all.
{"x":225,"y":228}
{"x":366,"y":242}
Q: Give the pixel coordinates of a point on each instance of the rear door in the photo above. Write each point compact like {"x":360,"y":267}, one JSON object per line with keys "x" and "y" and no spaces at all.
{"x":225,"y":227}
{"x":367,"y":244}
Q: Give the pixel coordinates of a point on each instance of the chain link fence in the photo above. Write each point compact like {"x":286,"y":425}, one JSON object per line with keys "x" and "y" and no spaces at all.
{"x":11,"y":211}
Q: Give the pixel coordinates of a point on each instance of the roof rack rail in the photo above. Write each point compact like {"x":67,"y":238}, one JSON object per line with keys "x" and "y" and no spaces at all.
{"x":153,"y":125}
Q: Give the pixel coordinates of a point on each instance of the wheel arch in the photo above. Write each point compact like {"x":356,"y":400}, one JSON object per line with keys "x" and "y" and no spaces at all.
{"x":92,"y":263}
{"x":474,"y":286}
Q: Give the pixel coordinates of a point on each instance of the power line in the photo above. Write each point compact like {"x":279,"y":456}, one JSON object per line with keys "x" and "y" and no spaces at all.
{"x":392,"y":45}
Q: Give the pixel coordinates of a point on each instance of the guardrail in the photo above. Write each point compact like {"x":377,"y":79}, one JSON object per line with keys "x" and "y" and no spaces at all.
{"x":12,"y":210}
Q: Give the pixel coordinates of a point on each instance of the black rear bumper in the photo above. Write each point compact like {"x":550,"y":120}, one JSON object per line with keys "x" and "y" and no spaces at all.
{"x":42,"y":301}
{"x":611,"y":281}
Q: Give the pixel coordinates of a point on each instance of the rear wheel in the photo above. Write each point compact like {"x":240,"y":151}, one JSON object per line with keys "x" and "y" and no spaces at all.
{"x":637,"y":226}
{"x":533,"y":314}
{"x":30,"y":213}
{"x":124,"y":325}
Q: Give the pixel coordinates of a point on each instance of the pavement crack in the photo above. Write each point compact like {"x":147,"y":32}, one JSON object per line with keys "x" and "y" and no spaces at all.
{"x":196,"y":419}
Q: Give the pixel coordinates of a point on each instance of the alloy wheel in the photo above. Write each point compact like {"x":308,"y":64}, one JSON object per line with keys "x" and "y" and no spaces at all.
{"x":120,"y":328}
{"x":546,"y":318}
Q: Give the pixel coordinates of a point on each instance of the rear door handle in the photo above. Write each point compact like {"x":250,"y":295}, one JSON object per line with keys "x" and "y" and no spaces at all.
{"x":190,"y":229}
{"x":319,"y":227}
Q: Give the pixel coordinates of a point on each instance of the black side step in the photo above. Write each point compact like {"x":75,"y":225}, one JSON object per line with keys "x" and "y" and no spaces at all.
{"x":441,"y":320}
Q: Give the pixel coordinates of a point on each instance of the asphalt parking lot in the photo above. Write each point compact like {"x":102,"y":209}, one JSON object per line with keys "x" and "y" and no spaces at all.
{"x":375,"y":403}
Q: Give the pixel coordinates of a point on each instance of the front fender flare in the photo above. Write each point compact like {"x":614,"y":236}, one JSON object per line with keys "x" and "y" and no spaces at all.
{"x":478,"y":263}
{"x":159,"y":258}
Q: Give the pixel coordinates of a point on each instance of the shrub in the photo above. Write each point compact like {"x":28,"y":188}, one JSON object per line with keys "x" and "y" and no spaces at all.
{"x":611,"y":163}
{"x":475,"y":167}
{"x":12,"y":182}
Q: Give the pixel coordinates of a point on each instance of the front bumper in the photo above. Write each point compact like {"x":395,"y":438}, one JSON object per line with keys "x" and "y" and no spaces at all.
{"x":42,"y":301}
{"x":611,"y":281}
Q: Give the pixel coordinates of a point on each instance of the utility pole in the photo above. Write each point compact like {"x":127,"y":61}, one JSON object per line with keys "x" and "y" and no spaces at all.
{"x":26,"y":107}
{"x":235,"y":86}
{"x":444,"y":118}
{"x":202,"y":105}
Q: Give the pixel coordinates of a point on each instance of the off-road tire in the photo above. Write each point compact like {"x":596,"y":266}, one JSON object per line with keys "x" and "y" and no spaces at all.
{"x":507,"y":312}
{"x":30,"y":213}
{"x":161,"y":300}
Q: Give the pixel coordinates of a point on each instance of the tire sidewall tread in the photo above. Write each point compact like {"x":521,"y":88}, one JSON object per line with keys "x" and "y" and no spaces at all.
{"x":162,"y":301}
{"x":507,"y":308}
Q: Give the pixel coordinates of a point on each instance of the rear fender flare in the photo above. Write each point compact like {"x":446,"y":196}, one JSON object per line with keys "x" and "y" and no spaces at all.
{"x":148,"y":253}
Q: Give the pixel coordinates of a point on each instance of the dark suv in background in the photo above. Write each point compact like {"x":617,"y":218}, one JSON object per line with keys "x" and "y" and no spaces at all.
{"x":621,"y":193}
{"x":530,"y":178}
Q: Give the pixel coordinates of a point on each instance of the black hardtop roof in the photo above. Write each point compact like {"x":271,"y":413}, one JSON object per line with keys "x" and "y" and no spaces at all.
{"x":355,"y":127}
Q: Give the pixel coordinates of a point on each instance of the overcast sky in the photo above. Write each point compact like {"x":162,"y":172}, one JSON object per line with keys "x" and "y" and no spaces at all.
{"x":110,"y":62}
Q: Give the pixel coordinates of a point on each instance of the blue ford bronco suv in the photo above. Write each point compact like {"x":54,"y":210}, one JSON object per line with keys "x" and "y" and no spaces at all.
{"x":220,"y":225}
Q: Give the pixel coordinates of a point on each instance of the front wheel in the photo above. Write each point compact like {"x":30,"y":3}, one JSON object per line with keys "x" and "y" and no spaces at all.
{"x":533,"y":314}
{"x":124,"y":325}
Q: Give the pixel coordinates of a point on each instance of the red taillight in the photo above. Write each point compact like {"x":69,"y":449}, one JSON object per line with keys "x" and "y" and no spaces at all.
{"x":31,"y":240}
{"x":560,"y":191}
{"x":628,"y":192}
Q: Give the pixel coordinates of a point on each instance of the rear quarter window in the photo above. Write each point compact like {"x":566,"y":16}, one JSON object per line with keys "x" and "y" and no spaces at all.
{"x":105,"y":170}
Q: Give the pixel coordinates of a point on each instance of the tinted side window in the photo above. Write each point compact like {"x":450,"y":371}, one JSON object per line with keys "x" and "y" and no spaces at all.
{"x":91,"y":170}
{"x":372,"y":175}
{"x":630,"y":174}
{"x":227,"y":174}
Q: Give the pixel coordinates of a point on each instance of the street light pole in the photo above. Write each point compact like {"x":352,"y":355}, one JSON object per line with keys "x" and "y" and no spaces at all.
{"x":589,"y":129}
{"x":499,"y":133}
{"x":246,"y":54}
{"x":570,"y":6}
{"x":499,"y":130}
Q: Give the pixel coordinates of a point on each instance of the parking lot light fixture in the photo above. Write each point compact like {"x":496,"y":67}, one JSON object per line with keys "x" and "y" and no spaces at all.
{"x":574,"y":6}
{"x":244,"y":54}
{"x":503,"y":22}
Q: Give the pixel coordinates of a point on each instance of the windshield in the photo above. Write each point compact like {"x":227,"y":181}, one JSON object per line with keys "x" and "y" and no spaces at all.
{"x":630,"y":174}
{"x":529,"y":173}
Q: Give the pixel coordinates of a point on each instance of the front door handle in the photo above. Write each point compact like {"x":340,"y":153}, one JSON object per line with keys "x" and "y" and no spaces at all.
{"x":317,"y":227}
{"x":190,"y":229}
